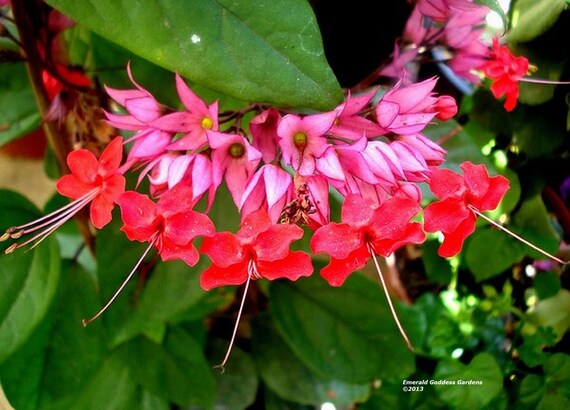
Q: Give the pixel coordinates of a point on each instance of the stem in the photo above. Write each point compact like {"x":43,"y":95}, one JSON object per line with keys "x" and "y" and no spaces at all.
{"x":542,"y":81}
{"x":118,"y":291}
{"x":234,"y":333}
{"x":517,"y":237}
{"x":29,"y":19}
{"x":388,"y":299}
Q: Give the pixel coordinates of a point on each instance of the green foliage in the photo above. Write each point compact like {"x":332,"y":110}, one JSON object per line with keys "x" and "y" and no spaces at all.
{"x":475,"y":318}
{"x":266,"y":53}
{"x":18,"y":117}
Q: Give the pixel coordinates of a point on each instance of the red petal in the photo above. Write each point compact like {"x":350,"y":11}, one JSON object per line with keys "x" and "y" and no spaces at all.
{"x":392,"y":217}
{"x":139,"y":216}
{"x":476,"y":180}
{"x":216,"y":276}
{"x":412,"y":233}
{"x":337,"y":240}
{"x":498,"y":187}
{"x":111,"y":157}
{"x":113,"y":186}
{"x":445,"y":215}
{"x":100,"y":212}
{"x":176,"y":200}
{"x":445,"y":183}
{"x":83,"y":165}
{"x":253,"y":224}
{"x":293,"y":266}
{"x":182,"y":228}
{"x":224,"y":248}
{"x":453,"y":241}
{"x":336,"y":272}
{"x":188,"y":253}
{"x":72,"y":187}
{"x":357,"y":211}
{"x":274,"y":243}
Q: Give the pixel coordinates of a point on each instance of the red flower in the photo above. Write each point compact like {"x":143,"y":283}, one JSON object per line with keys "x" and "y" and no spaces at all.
{"x":259,"y":249}
{"x":506,"y":70}
{"x":365,"y":228}
{"x":171,"y":224}
{"x":95,"y":180}
{"x":461,"y":198}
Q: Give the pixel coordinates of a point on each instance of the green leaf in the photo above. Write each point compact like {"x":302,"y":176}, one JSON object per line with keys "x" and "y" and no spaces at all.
{"x":347,"y":331}
{"x":28,"y":281}
{"x":532,"y":18}
{"x":540,"y":137}
{"x":531,"y":351}
{"x":236,"y":388}
{"x":438,"y":269}
{"x":270,"y":52}
{"x":19,"y":115}
{"x":75,"y":352}
{"x":176,"y":371}
{"x":553,"y":312}
{"x":489,"y":252}
{"x":177,"y":286}
{"x":533,"y":223}
{"x":546,"y":284}
{"x":290,"y":378}
{"x":483,"y":371}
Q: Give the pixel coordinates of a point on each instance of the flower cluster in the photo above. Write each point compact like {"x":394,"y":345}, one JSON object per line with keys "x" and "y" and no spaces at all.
{"x":451,"y":31}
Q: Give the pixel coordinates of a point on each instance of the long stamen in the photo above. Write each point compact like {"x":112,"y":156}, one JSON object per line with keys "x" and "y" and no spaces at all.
{"x":542,"y":81}
{"x":517,"y":237}
{"x":385,"y":288}
{"x":238,"y":318}
{"x":85,"y":322}
{"x":58,"y":218}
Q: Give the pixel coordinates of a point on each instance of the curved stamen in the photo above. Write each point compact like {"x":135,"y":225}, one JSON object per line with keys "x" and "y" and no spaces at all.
{"x":517,"y":237}
{"x":85,"y":322}
{"x":250,"y":273}
{"x":390,"y":305}
{"x":542,"y":81}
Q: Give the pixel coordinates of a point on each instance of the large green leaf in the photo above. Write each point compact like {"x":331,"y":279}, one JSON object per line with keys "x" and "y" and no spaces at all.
{"x":176,"y":371}
{"x":236,"y":387}
{"x":347,"y":332}
{"x":534,"y":17}
{"x":28,"y":282}
{"x":264,"y":52}
{"x":290,"y":378}
{"x":489,"y":252}
{"x":19,"y":114}
{"x":470,"y":386}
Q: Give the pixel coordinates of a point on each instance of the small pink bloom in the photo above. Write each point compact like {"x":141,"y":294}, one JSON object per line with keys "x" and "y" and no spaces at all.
{"x":234,"y":158}
{"x":350,"y":123}
{"x":264,"y":132}
{"x":269,"y":188}
{"x":302,"y":140}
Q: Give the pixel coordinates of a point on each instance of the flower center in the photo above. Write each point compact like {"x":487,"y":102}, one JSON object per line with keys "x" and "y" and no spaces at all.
{"x":237,"y":150}
{"x":207,"y":123}
{"x":300,"y":140}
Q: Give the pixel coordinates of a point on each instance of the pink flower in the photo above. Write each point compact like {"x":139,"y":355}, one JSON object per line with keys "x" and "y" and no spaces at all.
{"x":264,"y":132}
{"x":407,"y":110}
{"x":259,"y":249}
{"x":194,"y":123}
{"x":233,"y":158}
{"x":454,"y":215}
{"x":269,"y":188}
{"x":440,"y":10}
{"x":505,"y":70}
{"x":350,"y":123}
{"x":302,"y":140}
{"x":365,"y":228}
{"x":170,"y":225}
